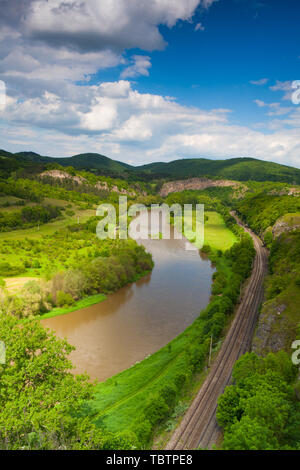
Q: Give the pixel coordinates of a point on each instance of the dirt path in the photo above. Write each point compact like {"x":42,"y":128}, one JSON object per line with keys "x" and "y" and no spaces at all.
{"x":199,"y":427}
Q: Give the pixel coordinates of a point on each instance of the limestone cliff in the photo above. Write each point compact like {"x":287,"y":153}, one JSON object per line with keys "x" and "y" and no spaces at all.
{"x":196,"y":184}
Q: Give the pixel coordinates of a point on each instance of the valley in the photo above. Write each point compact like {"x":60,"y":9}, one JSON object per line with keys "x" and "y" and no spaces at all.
{"x":145,"y":318}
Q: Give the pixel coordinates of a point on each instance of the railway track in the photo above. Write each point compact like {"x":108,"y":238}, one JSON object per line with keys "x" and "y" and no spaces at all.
{"x":199,"y":426}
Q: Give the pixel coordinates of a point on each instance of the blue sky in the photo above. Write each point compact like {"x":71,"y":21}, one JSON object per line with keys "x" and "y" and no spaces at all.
{"x":150,"y":80}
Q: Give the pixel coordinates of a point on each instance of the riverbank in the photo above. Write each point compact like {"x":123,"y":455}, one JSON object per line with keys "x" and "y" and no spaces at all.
{"x":85,"y":302}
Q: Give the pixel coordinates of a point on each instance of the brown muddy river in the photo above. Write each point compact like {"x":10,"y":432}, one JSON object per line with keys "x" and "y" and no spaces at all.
{"x":140,"y":318}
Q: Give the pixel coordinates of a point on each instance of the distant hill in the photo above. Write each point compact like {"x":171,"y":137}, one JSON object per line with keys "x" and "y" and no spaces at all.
{"x":84,"y":161}
{"x":239,"y":169}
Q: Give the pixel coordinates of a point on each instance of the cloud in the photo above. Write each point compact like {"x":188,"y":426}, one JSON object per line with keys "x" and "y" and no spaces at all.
{"x":260,"y":103}
{"x":90,"y":25}
{"x":284,"y":86}
{"x":140,"y":65}
{"x":199,"y":27}
{"x":115,"y":119}
{"x":50,"y":50}
{"x":12,"y":11}
{"x":275,"y":109}
{"x":44,"y":43}
{"x":262,"y":81}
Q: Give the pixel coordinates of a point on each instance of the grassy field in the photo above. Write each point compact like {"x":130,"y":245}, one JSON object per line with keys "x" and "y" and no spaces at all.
{"x":51,"y":227}
{"x":14,"y":284}
{"x":216,"y":234}
{"x":49,"y":254}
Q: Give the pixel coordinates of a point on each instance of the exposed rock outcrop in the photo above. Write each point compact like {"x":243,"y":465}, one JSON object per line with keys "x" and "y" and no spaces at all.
{"x":287,"y":223}
{"x":196,"y":184}
{"x":266,"y":339}
{"x":285,"y":192}
{"x":63,"y":175}
{"x":100,"y":185}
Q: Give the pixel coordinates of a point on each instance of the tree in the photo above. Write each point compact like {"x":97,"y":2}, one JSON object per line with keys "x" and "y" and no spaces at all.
{"x":40,"y":400}
{"x":249,"y":434}
{"x":259,"y":410}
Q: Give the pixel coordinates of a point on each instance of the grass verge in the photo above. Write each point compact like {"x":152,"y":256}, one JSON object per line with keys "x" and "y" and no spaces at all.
{"x":83,"y":303}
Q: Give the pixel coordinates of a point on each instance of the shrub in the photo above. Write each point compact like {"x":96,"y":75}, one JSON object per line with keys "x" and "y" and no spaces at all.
{"x":268,"y":238}
{"x":63,"y":299}
{"x":143,"y":431}
{"x":70,"y":213}
{"x":156,"y":409}
{"x":168,"y":393}
{"x":180,"y":380}
{"x":6,"y":269}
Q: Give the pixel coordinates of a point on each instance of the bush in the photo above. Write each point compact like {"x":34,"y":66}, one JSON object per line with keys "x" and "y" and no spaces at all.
{"x":168,"y":393}
{"x":180,"y":380}
{"x":6,"y":269}
{"x":156,"y":410}
{"x":268,"y":238}
{"x":63,"y":299}
{"x":143,"y":431}
{"x":70,"y":213}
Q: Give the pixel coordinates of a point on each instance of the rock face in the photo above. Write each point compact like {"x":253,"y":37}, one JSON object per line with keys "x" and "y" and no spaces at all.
{"x":100,"y":185}
{"x":285,"y":192}
{"x":63,"y":175}
{"x":103,"y":186}
{"x":286,"y":224}
{"x":271,"y":334}
{"x":195,"y":183}
{"x":294,"y":192}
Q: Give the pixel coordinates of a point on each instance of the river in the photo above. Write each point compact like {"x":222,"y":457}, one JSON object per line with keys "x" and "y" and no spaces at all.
{"x":142,"y":317}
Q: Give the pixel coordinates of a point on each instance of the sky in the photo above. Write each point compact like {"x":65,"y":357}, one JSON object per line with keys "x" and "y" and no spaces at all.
{"x":151,"y":80}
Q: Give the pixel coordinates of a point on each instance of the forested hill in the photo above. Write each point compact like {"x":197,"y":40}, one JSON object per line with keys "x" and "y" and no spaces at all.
{"x":86,"y":161}
{"x":239,"y":169}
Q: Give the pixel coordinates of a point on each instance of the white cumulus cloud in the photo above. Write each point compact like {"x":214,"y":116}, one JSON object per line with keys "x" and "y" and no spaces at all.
{"x":140,"y":65}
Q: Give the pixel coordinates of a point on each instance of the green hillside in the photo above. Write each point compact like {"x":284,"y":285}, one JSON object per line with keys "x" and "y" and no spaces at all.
{"x":84,"y":161}
{"x":239,"y":169}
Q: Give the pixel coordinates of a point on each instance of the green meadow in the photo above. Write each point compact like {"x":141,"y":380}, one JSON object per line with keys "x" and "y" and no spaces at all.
{"x":216,"y":234}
